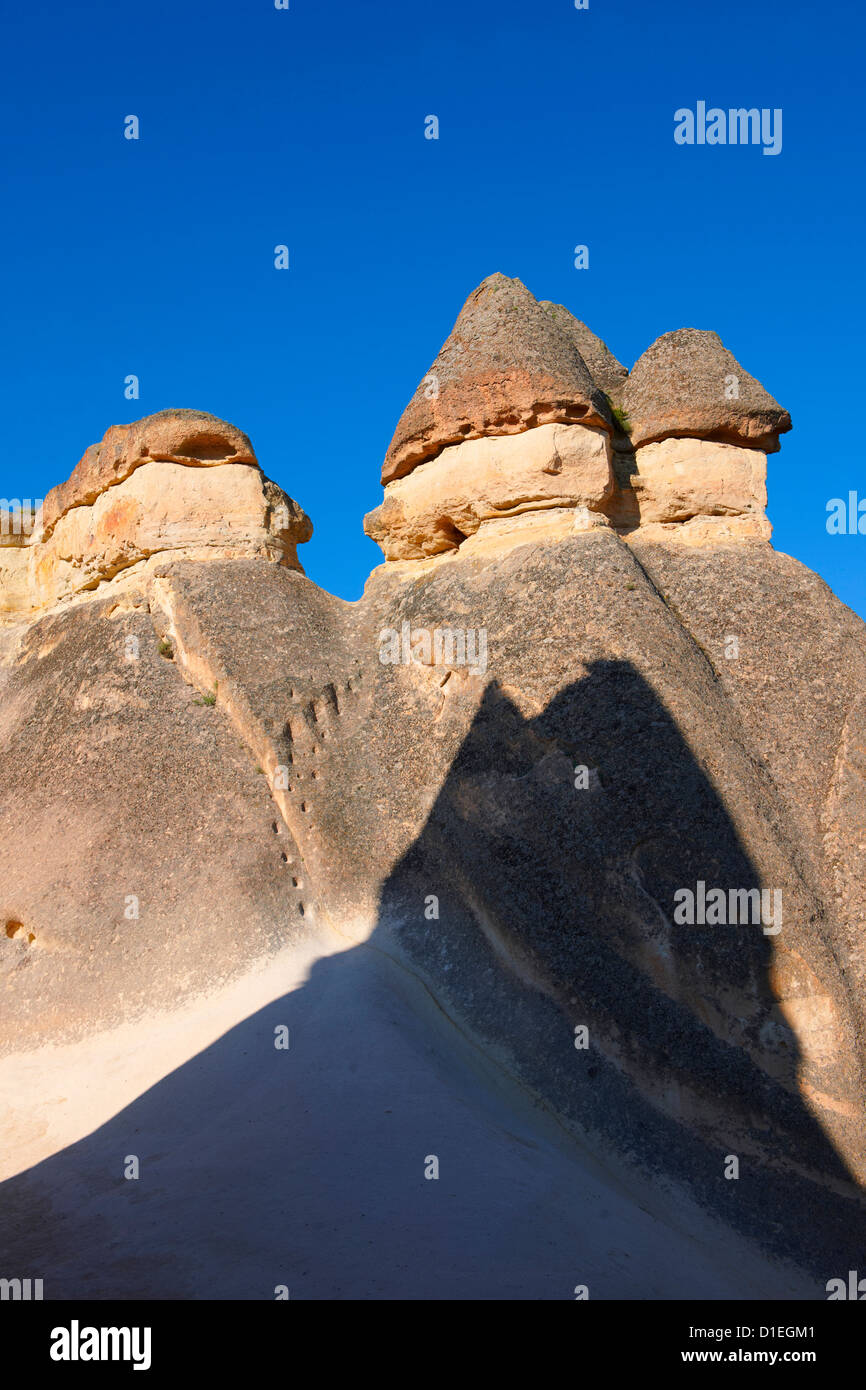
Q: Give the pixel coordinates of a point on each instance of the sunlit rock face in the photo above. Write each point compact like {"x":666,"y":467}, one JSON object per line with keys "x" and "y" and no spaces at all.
{"x":507,"y":366}
{"x":435,"y":507}
{"x":699,"y":488}
{"x":688,"y":383}
{"x":581,"y":693}
{"x":178,"y":483}
{"x":173,"y":436}
{"x":678,"y":445}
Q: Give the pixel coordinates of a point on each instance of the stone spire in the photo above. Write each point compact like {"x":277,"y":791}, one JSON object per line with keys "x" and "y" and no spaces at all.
{"x":507,"y":366}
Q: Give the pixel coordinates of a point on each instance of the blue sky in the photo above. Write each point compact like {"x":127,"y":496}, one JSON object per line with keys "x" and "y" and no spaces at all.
{"x":306,"y":127}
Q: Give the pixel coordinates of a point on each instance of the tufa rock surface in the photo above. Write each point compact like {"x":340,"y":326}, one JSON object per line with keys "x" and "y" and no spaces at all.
{"x":494,"y":775}
{"x":680,"y":482}
{"x":506,"y":366}
{"x":607,"y":373}
{"x":189,"y":437}
{"x":684,"y":436}
{"x":436,"y":506}
{"x":687,"y":383}
{"x":180,"y":482}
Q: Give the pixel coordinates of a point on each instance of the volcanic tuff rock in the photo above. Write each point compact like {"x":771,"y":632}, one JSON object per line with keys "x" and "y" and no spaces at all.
{"x":212,"y":738}
{"x":180,"y":482}
{"x":687,"y":383}
{"x":507,"y":365}
{"x":189,"y":437}
{"x":688,"y":482}
{"x":604,"y":369}
{"x":441,"y":502}
{"x":684,"y":445}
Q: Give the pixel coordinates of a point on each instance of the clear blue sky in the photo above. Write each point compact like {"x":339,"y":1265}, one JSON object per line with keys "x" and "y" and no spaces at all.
{"x":306,"y":127}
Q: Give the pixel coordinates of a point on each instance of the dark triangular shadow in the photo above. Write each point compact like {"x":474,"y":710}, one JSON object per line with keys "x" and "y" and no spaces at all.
{"x":451,"y":1037}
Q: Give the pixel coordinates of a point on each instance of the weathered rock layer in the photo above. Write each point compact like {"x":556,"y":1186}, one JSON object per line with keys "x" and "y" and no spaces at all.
{"x":180,"y":482}
{"x":685,"y":434}
{"x":507,"y":366}
{"x":546,"y":719}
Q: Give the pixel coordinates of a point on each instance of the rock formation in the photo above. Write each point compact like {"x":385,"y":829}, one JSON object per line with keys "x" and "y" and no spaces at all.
{"x":581,"y":685}
{"x":679,"y":450}
{"x":603,"y":367}
{"x":436,"y":506}
{"x":141,"y":493}
{"x":506,"y":366}
{"x":688,"y":383}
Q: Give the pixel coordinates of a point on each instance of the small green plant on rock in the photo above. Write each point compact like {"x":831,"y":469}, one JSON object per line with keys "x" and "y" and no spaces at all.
{"x":619,"y":415}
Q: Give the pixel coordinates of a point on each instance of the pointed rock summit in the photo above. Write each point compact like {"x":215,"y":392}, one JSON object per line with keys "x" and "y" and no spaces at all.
{"x":507,"y":366}
{"x":687,"y":383}
{"x":607,"y":373}
{"x":676,"y":448}
{"x":516,"y":796}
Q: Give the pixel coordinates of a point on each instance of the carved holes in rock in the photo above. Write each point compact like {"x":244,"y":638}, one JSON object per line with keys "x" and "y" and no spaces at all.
{"x":16,"y":931}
